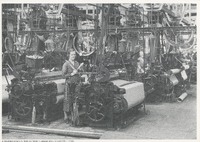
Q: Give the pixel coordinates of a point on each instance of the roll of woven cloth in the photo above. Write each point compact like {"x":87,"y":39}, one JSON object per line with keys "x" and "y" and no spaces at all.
{"x":182,"y":97}
{"x":175,"y":71}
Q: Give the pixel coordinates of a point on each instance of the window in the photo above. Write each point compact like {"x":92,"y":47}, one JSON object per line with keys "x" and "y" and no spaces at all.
{"x":186,"y":15}
{"x":56,"y":7}
{"x":83,"y":11}
{"x":193,"y":4}
{"x":193,"y":14}
{"x":90,"y":11}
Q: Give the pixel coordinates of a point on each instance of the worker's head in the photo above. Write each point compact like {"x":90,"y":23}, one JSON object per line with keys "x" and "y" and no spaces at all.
{"x":72,"y":54}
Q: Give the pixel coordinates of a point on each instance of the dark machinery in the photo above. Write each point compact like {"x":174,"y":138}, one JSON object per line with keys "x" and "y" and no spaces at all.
{"x":103,"y":101}
{"x":99,"y":103}
{"x":26,"y":96}
{"x":104,"y":104}
{"x":168,"y":79}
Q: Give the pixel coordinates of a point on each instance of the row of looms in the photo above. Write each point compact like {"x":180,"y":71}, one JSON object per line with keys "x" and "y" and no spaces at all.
{"x":131,"y":54}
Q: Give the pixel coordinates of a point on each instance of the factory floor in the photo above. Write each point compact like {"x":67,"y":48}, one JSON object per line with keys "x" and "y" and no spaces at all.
{"x":161,"y":121}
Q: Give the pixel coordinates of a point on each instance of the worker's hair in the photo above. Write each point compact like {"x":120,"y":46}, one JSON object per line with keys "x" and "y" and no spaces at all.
{"x":69,"y":51}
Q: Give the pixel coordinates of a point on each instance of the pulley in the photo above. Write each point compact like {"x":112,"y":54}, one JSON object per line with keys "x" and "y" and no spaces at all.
{"x":22,"y":106}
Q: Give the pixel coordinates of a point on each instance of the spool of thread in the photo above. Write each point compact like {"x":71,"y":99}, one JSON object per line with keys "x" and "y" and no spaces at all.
{"x":184,"y":75}
{"x":182,"y":97}
{"x":186,"y":67}
{"x":33,"y":115}
{"x":175,"y":71}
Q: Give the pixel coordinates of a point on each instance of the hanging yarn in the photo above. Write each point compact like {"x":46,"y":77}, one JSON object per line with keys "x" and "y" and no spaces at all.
{"x":173,"y":43}
{"x":153,"y":47}
{"x":147,"y":47}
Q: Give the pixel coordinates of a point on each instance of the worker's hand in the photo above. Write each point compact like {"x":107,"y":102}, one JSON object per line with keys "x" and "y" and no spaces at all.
{"x":74,"y":72}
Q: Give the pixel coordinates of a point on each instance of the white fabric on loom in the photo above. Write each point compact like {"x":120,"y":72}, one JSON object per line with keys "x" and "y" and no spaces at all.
{"x":152,"y":48}
{"x":134,"y":92}
{"x":147,"y":48}
{"x":5,"y":95}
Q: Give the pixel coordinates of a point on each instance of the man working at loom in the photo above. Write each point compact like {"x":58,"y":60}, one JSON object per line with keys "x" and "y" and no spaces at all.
{"x":73,"y":84}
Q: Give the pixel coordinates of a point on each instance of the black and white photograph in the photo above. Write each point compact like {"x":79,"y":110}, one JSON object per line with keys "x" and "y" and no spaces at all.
{"x":99,"y":71}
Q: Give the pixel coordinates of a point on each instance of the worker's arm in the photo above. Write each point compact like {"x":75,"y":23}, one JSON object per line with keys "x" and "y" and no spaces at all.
{"x":65,"y":71}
